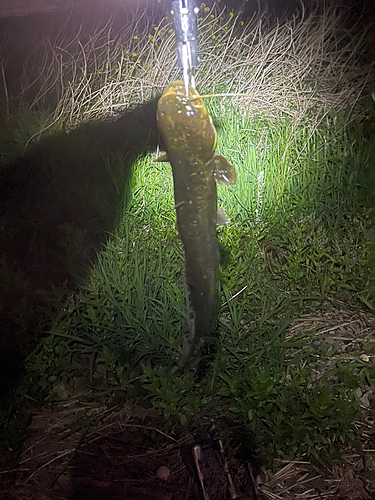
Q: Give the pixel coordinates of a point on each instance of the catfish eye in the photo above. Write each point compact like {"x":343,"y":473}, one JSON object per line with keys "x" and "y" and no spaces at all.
{"x":189,"y":110}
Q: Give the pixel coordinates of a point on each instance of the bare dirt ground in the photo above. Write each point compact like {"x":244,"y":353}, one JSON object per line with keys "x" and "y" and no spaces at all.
{"x":116,"y":454}
{"x":79,"y":449}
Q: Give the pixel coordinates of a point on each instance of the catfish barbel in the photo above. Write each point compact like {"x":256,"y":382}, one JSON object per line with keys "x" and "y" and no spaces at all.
{"x":190,"y":138}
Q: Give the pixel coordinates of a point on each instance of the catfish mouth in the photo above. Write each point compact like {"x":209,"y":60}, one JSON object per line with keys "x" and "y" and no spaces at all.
{"x":178,"y":88}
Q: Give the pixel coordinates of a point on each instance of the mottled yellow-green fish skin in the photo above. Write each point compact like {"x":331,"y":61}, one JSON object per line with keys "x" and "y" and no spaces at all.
{"x":189,"y":137}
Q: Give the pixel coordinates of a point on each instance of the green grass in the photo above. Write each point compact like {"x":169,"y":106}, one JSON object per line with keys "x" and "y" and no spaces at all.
{"x":298,"y":243}
{"x":129,"y":317}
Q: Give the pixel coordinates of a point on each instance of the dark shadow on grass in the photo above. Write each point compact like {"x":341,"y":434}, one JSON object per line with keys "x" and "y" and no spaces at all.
{"x":57,"y":206}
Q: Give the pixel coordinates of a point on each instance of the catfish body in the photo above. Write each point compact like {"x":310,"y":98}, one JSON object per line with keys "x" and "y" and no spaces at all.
{"x":189,"y":136}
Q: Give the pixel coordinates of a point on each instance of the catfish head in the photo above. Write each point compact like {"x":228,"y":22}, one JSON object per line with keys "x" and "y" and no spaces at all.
{"x":188,"y":132}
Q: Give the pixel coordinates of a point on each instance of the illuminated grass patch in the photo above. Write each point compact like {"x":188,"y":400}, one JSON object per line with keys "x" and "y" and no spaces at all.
{"x":293,"y":245}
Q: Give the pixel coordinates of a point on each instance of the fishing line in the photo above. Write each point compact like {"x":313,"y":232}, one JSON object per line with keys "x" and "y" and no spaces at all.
{"x":204,"y":96}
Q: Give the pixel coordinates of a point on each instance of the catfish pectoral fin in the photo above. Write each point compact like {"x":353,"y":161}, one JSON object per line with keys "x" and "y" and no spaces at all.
{"x":224,"y":172}
{"x":161,"y":158}
{"x":222,"y":219}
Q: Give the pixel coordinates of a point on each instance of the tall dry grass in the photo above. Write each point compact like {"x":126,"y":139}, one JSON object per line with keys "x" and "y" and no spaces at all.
{"x":301,"y":66}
